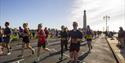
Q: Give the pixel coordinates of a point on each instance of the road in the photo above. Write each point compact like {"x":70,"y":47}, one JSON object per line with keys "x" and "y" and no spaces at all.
{"x":100,"y":53}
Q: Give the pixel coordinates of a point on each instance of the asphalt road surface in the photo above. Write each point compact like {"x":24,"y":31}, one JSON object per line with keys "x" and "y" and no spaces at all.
{"x":100,"y":53}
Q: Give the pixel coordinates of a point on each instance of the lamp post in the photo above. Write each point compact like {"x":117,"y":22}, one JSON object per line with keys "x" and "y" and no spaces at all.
{"x":106,"y":18}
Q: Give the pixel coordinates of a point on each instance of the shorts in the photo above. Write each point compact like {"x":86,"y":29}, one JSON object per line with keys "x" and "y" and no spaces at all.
{"x":6,"y":39}
{"x":1,"y":39}
{"x":26,"y":39}
{"x":89,"y":40}
{"x":41,"y":44}
{"x":64,"y":42}
{"x":74,"y":47}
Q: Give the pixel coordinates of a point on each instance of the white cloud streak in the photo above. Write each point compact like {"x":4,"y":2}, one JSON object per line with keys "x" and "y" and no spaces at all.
{"x":96,"y":9}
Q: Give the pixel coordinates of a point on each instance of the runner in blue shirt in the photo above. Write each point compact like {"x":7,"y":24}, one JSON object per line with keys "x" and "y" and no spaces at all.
{"x":75,"y":38}
{"x":7,"y":33}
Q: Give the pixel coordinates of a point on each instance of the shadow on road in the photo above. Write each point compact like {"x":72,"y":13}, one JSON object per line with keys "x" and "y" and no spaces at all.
{"x":61,"y":60}
{"x":123,"y":52}
{"x":84,"y":56}
{"x":56,"y":53}
{"x":17,"y":59}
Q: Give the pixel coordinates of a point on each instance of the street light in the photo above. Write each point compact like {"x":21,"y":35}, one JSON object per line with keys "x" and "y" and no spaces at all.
{"x":106,"y":18}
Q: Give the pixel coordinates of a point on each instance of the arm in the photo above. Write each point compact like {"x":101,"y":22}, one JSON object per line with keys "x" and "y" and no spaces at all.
{"x":80,"y":36}
{"x":27,"y":30}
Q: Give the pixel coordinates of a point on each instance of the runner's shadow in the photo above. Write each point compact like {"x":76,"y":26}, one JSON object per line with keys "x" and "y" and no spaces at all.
{"x":21,"y":48}
{"x":9,"y":61}
{"x":83,"y":56}
{"x":61,"y":60}
{"x":3,"y":54}
{"x":56,"y":53}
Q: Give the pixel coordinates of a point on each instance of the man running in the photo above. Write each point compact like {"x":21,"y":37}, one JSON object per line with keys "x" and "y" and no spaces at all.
{"x":75,"y":38}
{"x":1,"y":41}
{"x":7,"y":33}
{"x":41,"y":41}
{"x":47,"y":34}
{"x":88,"y":37}
{"x":64,"y":40}
{"x":26,"y":39}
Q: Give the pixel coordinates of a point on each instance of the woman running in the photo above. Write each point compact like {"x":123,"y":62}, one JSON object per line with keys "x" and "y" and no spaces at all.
{"x":88,"y":37}
{"x":26,"y":39}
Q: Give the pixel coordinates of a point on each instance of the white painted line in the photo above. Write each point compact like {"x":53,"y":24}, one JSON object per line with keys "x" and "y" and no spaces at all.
{"x":18,"y":61}
{"x":66,"y":55}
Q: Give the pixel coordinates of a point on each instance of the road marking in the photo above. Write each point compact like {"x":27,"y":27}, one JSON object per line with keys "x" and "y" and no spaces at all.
{"x":18,"y":61}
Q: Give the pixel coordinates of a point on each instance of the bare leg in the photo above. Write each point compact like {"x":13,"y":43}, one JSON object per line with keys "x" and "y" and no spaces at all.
{"x":71,"y":56}
{"x":46,"y":49}
{"x":8,"y":47}
{"x":28,"y":45}
{"x":23,"y":46}
{"x":75,"y":55}
{"x":38,"y":51}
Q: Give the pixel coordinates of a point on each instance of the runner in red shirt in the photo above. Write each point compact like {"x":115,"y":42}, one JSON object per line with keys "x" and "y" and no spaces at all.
{"x":41,"y":41}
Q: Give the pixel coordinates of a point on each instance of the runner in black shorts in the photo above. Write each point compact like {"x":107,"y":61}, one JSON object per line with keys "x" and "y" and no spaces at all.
{"x":7,"y":33}
{"x":64,"y":40}
{"x":26,"y":39}
{"x":41,"y":41}
{"x":75,"y":38}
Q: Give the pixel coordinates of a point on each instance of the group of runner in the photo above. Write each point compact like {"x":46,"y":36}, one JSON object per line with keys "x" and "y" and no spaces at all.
{"x":73,"y":37}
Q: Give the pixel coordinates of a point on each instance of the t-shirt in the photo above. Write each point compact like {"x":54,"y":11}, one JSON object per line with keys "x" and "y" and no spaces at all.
{"x":41,"y":36}
{"x":47,"y":33}
{"x":7,"y":32}
{"x":64,"y":34}
{"x":121,"y":34}
{"x":75,"y":35}
{"x":88,"y":34}
{"x":26,"y":33}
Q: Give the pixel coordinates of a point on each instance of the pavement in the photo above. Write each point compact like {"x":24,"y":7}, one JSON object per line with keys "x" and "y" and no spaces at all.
{"x":101,"y":53}
{"x":118,"y":52}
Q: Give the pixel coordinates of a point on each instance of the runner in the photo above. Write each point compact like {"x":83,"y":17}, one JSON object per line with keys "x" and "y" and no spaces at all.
{"x":88,"y":37}
{"x":7,"y":33}
{"x":26,"y":39}
{"x":41,"y":41}
{"x":46,"y":32}
{"x":20,"y":34}
{"x":64,"y":41}
{"x":75,"y":38}
{"x":1,"y":41}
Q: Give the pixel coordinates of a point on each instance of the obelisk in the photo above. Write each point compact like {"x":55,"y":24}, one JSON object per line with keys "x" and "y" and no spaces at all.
{"x":84,"y":20}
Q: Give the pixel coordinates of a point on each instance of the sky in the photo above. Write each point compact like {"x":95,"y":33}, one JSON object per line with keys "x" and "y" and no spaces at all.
{"x":54,"y":13}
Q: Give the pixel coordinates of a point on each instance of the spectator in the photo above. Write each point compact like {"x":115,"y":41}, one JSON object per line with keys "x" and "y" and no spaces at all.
{"x":121,"y":37}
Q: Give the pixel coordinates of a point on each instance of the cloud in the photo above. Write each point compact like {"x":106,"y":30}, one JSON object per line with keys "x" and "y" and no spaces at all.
{"x":96,"y":9}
